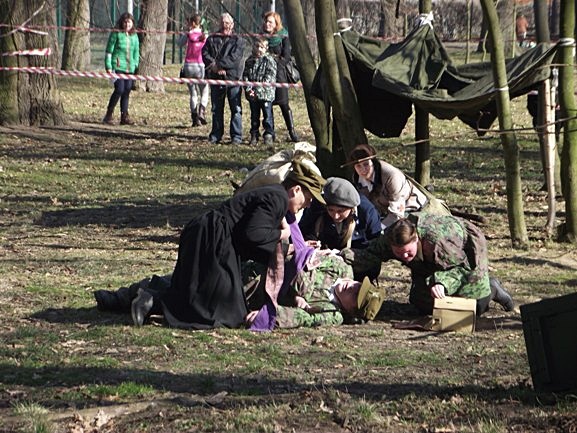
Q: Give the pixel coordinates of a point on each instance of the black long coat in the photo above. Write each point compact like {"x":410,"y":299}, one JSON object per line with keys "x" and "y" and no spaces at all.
{"x":206,"y":288}
{"x":282,"y":55}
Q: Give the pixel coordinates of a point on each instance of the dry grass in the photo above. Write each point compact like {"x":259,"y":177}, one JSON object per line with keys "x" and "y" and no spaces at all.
{"x":88,"y":206}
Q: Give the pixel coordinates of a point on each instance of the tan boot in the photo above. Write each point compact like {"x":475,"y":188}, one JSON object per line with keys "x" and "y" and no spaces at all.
{"x":202,"y":115}
{"x":125,"y":119}
{"x":108,"y":117}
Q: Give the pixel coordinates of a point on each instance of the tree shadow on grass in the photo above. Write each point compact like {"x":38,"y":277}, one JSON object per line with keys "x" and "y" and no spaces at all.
{"x":133,"y":214}
{"x":83,"y":316}
{"x":248,"y":386}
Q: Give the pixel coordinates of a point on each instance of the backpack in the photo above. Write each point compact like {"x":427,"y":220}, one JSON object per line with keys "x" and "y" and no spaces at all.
{"x":275,"y":168}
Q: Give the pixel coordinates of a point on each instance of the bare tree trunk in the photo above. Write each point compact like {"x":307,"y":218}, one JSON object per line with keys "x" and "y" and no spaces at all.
{"x":549,"y":149}
{"x":506,"y":11}
{"x":153,"y":20}
{"x":554,"y":19}
{"x":388,"y":21}
{"x":482,"y":45}
{"x":515,"y":212}
{"x":28,"y":99}
{"x":347,"y":119}
{"x":423,"y":146}
{"x":76,"y":52}
{"x":316,"y":107}
{"x":547,"y":139}
{"x":569,"y":111}
{"x":541,"y":12}
{"x":342,"y":8}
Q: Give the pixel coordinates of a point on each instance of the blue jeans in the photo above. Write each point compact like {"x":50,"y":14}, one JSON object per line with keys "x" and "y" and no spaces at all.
{"x":121,"y":92}
{"x":217,"y":96}
{"x":256,"y":107}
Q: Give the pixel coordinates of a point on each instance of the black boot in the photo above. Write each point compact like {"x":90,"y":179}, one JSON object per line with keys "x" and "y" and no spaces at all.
{"x":117,"y":301}
{"x":195,"y":119}
{"x":287,"y":115}
{"x":500,"y":295}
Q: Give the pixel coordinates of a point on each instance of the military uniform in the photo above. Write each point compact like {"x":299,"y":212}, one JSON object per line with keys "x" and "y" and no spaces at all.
{"x":313,"y":283}
{"x":451,"y":252}
{"x":315,"y":287}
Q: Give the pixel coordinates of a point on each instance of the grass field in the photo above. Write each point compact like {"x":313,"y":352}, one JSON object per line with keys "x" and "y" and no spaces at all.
{"x":88,"y":206}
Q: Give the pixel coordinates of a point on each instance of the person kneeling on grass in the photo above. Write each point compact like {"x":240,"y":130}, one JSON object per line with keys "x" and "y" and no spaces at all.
{"x":447,"y":256}
{"x":206,"y":286}
{"x":348,"y":220}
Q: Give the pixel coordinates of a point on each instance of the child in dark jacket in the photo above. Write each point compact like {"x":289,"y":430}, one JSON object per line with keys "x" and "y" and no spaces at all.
{"x":260,"y":67}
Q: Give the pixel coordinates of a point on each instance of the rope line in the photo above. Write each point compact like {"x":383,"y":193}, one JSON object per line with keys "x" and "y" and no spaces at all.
{"x":114,"y":76}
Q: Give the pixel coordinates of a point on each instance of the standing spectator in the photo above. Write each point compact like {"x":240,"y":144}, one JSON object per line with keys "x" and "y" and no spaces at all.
{"x":223,"y":55}
{"x":279,"y":45}
{"x":194,"y":68}
{"x":521,"y":25}
{"x":122,"y":56}
{"x":260,"y":67}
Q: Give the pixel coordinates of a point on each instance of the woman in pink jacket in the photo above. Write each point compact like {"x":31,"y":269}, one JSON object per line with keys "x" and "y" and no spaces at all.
{"x":194,"y":68}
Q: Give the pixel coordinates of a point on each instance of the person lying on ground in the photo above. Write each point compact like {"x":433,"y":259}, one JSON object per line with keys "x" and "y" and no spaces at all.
{"x":447,"y":255}
{"x":324,"y":293}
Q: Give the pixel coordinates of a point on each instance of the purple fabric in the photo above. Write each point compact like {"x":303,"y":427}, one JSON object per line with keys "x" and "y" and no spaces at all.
{"x":302,"y":250}
{"x":266,"y":317}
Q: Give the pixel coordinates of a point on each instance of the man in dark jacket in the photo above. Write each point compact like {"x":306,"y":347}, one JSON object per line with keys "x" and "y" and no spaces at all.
{"x":223,"y":56}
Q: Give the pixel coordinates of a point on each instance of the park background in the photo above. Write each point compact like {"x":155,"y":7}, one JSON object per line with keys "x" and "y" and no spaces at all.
{"x":86,"y":206}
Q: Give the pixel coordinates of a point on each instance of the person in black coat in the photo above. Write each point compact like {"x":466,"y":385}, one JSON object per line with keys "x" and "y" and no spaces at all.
{"x":206,"y":288}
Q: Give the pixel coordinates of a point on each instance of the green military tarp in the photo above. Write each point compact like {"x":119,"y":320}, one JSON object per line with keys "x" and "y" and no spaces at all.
{"x":389,"y":78}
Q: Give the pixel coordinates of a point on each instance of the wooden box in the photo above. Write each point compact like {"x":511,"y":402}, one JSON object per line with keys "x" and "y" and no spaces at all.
{"x":454,"y":314}
{"x":550,"y":328}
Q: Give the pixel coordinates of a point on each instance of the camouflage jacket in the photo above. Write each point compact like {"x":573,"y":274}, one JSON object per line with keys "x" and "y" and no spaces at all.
{"x":452,"y":252}
{"x":260,"y":69}
{"x":313,"y":284}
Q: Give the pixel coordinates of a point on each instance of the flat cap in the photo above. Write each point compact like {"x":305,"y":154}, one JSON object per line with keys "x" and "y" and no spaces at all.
{"x":340,"y":192}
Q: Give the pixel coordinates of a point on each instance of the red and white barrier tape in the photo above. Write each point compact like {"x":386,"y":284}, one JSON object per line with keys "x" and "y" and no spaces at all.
{"x":34,"y":52}
{"x":52,"y":71}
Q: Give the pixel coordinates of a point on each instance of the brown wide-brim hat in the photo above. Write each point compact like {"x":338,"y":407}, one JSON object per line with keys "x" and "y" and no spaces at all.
{"x":360,"y":153}
{"x":307,"y":178}
{"x":370,"y":299}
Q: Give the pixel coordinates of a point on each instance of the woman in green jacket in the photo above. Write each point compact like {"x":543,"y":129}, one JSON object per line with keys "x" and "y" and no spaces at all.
{"x":122,"y":56}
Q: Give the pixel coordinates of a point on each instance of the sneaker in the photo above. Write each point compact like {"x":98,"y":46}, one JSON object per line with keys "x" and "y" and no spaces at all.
{"x":141,"y":306}
{"x":236,"y":141}
{"x":213,"y":140}
{"x":268,"y":140}
{"x":253,"y":140}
